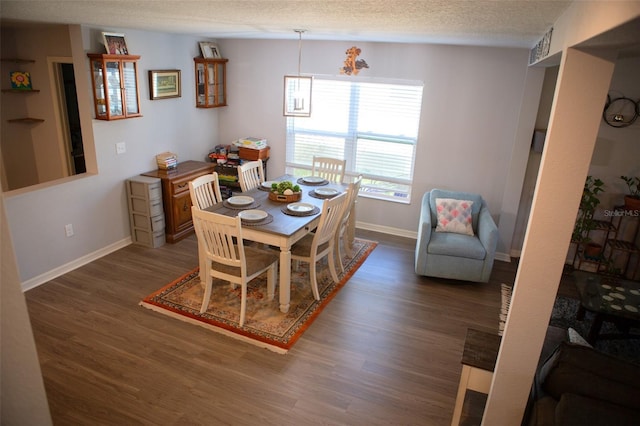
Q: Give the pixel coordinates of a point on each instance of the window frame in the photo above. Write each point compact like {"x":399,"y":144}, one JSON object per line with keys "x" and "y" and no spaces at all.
{"x":373,"y":185}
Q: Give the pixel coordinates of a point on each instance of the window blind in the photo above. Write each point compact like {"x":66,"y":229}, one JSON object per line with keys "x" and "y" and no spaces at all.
{"x":373,"y":125}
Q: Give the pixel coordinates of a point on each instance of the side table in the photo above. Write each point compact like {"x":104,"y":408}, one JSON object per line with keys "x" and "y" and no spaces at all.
{"x":478,"y":361}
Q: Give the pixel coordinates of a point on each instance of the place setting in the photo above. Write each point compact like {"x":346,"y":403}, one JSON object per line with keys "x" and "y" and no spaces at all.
{"x":324,"y":193}
{"x":241,"y":202}
{"x":300,"y":209}
{"x":253,"y":217}
{"x":313,"y":181}
{"x":267,"y":185}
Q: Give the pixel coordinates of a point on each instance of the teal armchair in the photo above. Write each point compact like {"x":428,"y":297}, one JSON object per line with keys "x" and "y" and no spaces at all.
{"x":451,"y":254}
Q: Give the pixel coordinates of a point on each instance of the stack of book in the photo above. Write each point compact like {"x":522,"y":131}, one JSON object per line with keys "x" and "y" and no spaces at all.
{"x":167,"y":161}
{"x":252,"y":143}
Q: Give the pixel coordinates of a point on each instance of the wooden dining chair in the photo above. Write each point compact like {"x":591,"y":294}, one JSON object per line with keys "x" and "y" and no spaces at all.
{"x":250,"y":175}
{"x":332,"y":169}
{"x":205,"y":191}
{"x":226,"y":257}
{"x":343,"y":228}
{"x":319,"y":244}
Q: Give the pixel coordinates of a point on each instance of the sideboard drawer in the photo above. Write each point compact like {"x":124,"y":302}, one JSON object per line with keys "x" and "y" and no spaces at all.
{"x":180,"y":187}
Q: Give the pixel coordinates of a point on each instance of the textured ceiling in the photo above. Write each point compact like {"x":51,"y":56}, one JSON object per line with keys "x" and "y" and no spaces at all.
{"x":509,"y":23}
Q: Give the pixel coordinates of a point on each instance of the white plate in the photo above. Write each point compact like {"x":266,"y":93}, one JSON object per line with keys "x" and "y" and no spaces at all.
{"x":326,"y":192}
{"x":634,"y":291}
{"x":240,"y":200}
{"x":300,"y":207}
{"x":253,"y":215}
{"x":313,"y":179}
{"x":267,"y":184}
{"x":631,"y":308}
{"x":607,"y":298}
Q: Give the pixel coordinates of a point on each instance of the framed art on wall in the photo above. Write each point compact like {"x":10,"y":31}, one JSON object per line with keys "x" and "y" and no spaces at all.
{"x":115,"y":44}
{"x":209,"y":50}
{"x":164,"y":84}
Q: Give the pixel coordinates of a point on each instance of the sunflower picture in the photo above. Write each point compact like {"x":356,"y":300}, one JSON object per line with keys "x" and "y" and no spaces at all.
{"x":20,"y":80}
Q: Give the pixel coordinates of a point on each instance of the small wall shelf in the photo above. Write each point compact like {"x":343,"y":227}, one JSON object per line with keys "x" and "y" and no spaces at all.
{"x":19,"y":60}
{"x":26,"y":120}
{"x":20,"y":90}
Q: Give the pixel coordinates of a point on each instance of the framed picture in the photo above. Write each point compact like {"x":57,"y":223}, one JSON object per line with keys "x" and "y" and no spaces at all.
{"x":164,"y":84}
{"x":209,"y":50}
{"x":20,"y":80}
{"x":115,"y":44}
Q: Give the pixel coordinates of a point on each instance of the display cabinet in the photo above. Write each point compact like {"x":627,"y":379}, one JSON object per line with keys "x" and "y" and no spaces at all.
{"x":211,"y":82}
{"x":115,"y":86}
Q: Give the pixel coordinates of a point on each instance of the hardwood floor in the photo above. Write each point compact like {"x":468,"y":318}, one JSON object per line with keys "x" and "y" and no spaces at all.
{"x":386,"y":350}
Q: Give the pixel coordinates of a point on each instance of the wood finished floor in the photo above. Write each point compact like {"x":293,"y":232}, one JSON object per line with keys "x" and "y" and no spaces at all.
{"x":386,"y":350}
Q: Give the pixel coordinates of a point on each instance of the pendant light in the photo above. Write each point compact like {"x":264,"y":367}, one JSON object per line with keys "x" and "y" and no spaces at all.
{"x":297,"y":89}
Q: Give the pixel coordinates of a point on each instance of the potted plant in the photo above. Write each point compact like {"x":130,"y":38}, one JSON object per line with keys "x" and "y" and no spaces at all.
{"x":585,"y":221}
{"x":632,"y":200}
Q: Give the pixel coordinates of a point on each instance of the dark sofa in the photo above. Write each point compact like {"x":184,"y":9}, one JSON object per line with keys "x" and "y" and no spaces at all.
{"x":578,"y":385}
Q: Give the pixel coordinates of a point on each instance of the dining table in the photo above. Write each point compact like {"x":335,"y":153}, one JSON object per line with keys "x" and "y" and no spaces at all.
{"x":281,"y":227}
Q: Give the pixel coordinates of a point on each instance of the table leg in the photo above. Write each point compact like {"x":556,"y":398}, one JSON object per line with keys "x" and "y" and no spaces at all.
{"x":595,"y":329}
{"x":202,"y":263}
{"x":462,"y":391}
{"x":350,"y":232}
{"x":285,"y":279}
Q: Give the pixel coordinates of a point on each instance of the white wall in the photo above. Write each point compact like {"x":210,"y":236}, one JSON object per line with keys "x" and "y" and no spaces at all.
{"x":473,"y":98}
{"x":96,"y":203}
{"x":472,"y":119}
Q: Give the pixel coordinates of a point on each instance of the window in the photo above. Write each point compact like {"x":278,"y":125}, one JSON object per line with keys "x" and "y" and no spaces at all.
{"x":373,"y":125}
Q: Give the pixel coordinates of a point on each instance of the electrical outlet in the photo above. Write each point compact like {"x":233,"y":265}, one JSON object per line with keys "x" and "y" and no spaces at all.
{"x":68,"y":230}
{"x":121,"y":148}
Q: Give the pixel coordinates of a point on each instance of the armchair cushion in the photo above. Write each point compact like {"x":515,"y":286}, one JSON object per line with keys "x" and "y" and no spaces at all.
{"x":454,"y":216}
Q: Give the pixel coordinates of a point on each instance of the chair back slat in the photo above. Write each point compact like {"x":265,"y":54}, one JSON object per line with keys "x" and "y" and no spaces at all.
{"x":205,"y":191}
{"x":250,"y":175}
{"x":221,"y":235}
{"x":330,"y":218}
{"x":331,"y":169}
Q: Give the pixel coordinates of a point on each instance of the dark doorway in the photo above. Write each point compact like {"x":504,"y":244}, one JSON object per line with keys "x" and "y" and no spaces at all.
{"x":73,"y":118}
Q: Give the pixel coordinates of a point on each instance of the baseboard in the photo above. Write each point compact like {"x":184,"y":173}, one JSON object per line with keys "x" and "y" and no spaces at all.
{"x":387,"y":230}
{"x":504,"y":257}
{"x":74,"y":264}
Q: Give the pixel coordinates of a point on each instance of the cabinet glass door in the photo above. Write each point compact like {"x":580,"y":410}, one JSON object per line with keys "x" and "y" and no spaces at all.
{"x":98,"y":84}
{"x":220,"y":84}
{"x":116,"y":106}
{"x":130,"y":87}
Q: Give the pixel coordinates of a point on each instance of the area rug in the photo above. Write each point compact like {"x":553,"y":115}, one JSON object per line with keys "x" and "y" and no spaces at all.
{"x":264,"y":324}
{"x":564,"y":315}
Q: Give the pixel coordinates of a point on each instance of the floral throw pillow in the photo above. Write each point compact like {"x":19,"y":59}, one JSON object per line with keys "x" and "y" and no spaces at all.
{"x":454,"y":216}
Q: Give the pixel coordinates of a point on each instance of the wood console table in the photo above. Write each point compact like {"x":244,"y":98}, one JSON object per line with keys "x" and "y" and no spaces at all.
{"x":176,"y":198}
{"x":478,"y":361}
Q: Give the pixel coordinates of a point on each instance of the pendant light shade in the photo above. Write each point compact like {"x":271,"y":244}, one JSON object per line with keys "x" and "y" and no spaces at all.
{"x":297,"y":90}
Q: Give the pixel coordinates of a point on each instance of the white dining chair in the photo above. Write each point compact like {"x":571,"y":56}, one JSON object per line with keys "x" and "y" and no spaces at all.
{"x":250,"y":175}
{"x":205,"y":191}
{"x":343,"y":228}
{"x":332,"y":169}
{"x":226,"y":257}
{"x":319,"y":244}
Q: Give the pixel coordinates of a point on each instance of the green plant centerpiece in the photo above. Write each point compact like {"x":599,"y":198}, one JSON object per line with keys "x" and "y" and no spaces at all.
{"x":285,"y":191}
{"x":585,"y":221}
{"x":632,"y":199}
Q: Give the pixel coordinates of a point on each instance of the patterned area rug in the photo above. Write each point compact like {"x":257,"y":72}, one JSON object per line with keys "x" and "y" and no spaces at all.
{"x":264,"y":325}
{"x":564,"y":315}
